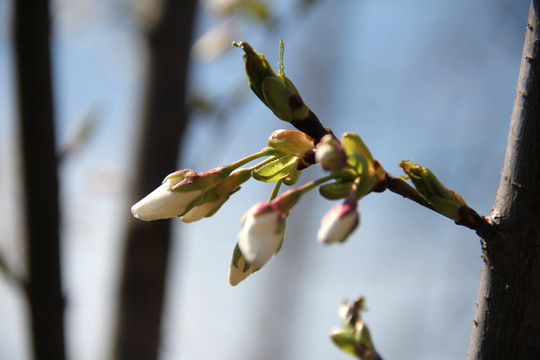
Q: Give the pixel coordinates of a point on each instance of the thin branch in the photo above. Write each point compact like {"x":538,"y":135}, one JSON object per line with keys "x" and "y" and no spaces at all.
{"x":399,"y":186}
{"x":483,"y":226}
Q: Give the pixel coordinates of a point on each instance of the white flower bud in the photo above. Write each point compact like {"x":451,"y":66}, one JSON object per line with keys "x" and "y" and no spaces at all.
{"x":200,"y":211}
{"x":339,"y":222}
{"x":262,"y":234}
{"x":162,"y":203}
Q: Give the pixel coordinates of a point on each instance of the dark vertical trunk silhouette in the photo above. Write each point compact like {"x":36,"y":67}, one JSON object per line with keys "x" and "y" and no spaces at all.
{"x":164,"y":119}
{"x":507,"y":319}
{"x":40,"y":180}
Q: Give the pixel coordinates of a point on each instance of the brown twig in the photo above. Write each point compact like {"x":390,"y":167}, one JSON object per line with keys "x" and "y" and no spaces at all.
{"x":483,"y":226}
{"x":399,"y":186}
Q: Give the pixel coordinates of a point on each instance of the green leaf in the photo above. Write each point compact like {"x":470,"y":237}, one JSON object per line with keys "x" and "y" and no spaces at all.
{"x":293,"y":177}
{"x":346,"y":341}
{"x":336,"y":190}
{"x":358,"y":162}
{"x":352,"y":143}
{"x":276,"y":169}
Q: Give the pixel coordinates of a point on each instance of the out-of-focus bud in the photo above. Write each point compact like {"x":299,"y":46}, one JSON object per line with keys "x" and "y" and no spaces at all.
{"x":239,"y":269}
{"x":212,"y":199}
{"x":330,"y":154}
{"x":291,"y":142}
{"x":257,"y":9}
{"x":354,"y":337}
{"x":262,"y":234}
{"x":444,"y":200}
{"x":213,"y":43}
{"x":163,"y":202}
{"x":339,"y":222}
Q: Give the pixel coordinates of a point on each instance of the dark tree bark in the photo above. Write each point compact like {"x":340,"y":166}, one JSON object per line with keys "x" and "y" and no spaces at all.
{"x":147,"y":243}
{"x":40,"y":180}
{"x":507,"y":320}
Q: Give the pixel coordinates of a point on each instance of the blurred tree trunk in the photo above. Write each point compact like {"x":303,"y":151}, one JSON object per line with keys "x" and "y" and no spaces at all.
{"x":507,"y":320}
{"x":163,"y":122}
{"x":40,"y":179}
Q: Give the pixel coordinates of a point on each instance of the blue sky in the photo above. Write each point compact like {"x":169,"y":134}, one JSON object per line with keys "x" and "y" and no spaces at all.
{"x":428,"y":80}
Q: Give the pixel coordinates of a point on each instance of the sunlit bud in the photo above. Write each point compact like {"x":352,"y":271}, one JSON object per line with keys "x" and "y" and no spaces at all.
{"x":443,"y":199}
{"x":257,"y":68}
{"x":339,"y":222}
{"x":163,"y":203}
{"x":201,"y":181}
{"x":278,"y":92}
{"x":330,"y":154}
{"x":239,"y":269}
{"x":262,"y":234}
{"x":275,"y":90}
{"x":291,"y":142}
{"x":281,"y":96}
{"x":212,"y":199}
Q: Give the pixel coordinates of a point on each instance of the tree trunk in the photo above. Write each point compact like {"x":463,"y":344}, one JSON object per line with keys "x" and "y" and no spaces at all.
{"x":40,"y":180}
{"x":507,"y":319}
{"x":147,"y":243}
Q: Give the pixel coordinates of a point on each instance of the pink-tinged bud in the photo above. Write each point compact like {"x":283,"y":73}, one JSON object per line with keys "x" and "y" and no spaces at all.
{"x":339,"y":222}
{"x":291,"y":142}
{"x":262,"y":234}
{"x":200,"y":211}
{"x":163,"y":203}
{"x":212,"y":199}
{"x":330,"y":154}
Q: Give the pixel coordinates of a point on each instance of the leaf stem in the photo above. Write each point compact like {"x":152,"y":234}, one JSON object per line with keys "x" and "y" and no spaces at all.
{"x":275,"y":191}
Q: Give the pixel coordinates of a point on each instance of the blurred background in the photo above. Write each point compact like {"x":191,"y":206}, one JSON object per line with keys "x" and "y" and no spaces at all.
{"x":432,"y":81}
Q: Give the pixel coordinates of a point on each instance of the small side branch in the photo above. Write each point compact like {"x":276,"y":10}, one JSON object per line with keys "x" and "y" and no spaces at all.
{"x":399,"y":186}
{"x":483,"y":226}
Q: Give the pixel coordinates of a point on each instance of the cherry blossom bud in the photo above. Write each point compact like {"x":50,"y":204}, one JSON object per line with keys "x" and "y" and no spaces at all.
{"x":278,"y":92}
{"x":339,"y":222}
{"x":212,"y":199}
{"x":291,"y":142}
{"x":163,"y":203}
{"x":330,"y":154}
{"x":262,"y":234}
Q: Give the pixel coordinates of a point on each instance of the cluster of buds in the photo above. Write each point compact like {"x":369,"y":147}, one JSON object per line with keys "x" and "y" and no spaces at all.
{"x":353,"y":173}
{"x":354,"y":337}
